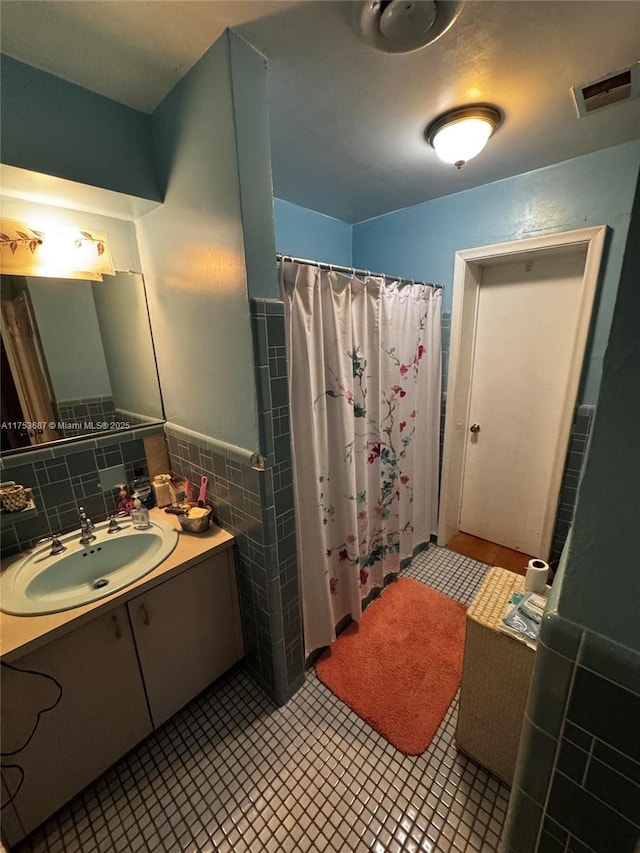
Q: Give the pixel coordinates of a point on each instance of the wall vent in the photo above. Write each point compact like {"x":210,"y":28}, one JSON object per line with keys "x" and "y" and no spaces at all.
{"x":612,"y":89}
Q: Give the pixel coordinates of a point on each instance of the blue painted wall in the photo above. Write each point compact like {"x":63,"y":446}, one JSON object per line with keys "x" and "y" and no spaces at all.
{"x":597,"y":189}
{"x":307,"y":234}
{"x":600,"y":588}
{"x":249,"y":81}
{"x":49,"y":125}
{"x":193,"y":253}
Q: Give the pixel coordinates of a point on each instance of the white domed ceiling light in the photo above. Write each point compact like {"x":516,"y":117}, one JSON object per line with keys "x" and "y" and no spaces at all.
{"x":401,"y":26}
{"x":460,"y":134}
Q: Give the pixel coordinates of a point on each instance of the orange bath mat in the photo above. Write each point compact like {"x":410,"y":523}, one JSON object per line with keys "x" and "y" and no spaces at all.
{"x":400,"y":667}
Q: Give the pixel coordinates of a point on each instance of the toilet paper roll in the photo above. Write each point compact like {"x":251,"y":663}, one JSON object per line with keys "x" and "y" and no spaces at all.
{"x":536,"y":577}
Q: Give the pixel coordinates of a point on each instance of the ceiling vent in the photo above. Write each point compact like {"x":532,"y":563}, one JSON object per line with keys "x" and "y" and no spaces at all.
{"x":613,"y":89}
{"x":401,"y":26}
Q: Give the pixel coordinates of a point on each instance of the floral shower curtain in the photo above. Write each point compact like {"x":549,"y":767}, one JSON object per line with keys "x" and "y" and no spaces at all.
{"x":364,"y":383}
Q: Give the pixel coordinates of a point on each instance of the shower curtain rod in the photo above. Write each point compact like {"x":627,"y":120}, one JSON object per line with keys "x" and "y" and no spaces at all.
{"x":338,"y":268}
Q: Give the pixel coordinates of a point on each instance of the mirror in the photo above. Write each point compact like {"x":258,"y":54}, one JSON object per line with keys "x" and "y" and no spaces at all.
{"x":77,"y":359}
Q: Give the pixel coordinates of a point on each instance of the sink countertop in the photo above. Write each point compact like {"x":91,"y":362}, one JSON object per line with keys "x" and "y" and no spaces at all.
{"x":22,"y":634}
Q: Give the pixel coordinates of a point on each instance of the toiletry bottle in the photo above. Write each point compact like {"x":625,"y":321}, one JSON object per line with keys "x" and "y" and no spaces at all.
{"x":125,"y":502}
{"x":140,"y":516}
{"x":141,"y":485}
{"x":162,"y":489}
{"x":177,"y":490}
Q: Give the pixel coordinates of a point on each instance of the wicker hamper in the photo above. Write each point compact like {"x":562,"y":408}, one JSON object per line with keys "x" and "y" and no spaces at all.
{"x":495,"y":679}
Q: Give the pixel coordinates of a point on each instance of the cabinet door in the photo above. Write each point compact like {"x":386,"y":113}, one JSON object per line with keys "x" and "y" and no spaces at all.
{"x":88,"y":693}
{"x":11,"y":827}
{"x":187,"y":632}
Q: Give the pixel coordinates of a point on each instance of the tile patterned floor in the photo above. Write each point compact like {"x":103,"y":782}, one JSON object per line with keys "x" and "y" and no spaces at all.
{"x":233,"y":773}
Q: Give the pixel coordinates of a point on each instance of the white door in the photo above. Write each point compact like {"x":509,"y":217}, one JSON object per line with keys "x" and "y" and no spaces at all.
{"x":527,"y":320}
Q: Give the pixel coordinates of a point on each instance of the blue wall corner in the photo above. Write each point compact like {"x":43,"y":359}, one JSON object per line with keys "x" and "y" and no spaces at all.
{"x":55,"y":127}
{"x":193,"y":251}
{"x":249,"y":87}
{"x":595,"y":189}
{"x":304,"y":233}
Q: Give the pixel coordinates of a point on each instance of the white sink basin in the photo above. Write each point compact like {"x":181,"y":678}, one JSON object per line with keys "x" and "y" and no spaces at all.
{"x":39,"y":584}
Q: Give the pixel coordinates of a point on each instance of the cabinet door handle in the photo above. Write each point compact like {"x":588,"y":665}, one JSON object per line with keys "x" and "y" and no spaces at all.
{"x":145,"y":614}
{"x":116,"y":625}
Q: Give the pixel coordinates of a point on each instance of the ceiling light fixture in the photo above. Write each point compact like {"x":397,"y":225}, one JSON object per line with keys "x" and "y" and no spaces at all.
{"x":460,"y":134}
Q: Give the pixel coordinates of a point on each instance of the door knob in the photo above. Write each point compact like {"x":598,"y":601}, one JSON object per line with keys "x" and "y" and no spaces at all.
{"x":474,"y":428}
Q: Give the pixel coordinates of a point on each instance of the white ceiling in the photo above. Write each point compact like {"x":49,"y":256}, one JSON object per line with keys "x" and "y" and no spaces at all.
{"x":347,"y":121}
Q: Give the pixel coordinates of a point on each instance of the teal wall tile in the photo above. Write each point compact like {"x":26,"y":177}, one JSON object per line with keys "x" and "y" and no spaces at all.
{"x":8,"y":463}
{"x":551,"y":827}
{"x":549,"y":690}
{"x":572,"y":761}
{"x":259,"y":335}
{"x":612,"y":660}
{"x":588,"y":819}
{"x":523,"y":823}
{"x":560,"y":635}
{"x":606,"y":710}
{"x":616,"y":790}
{"x":536,"y":755}
{"x":548,"y":844}
{"x":274,"y":306}
{"x":23,"y":474}
{"x":575,"y":846}
{"x":62,"y":483}
{"x":614,"y":758}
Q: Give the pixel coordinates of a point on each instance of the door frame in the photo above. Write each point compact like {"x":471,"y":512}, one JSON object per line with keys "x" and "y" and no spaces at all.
{"x":24,"y":354}
{"x":466,"y":284}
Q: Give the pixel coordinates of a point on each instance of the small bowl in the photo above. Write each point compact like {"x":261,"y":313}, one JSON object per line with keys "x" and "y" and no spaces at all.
{"x":196,"y":524}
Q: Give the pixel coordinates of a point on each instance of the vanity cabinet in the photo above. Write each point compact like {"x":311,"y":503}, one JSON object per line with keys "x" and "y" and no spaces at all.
{"x":187,"y":632}
{"x":86,"y":689}
{"x":78,"y":703}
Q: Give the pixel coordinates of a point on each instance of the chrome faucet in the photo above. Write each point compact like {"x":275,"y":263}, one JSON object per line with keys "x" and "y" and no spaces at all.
{"x":86,"y":527}
{"x":114,"y":527}
{"x":56,"y":545}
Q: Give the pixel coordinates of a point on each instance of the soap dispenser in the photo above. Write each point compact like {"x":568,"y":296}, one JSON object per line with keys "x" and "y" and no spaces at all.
{"x":141,"y":488}
{"x":140,"y":515}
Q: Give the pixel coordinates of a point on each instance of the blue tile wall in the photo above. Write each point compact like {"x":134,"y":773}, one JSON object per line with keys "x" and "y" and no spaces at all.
{"x":64,"y":477}
{"x":234,"y":492}
{"x":78,"y":415}
{"x":252,"y":497}
{"x":577,"y":781}
{"x":570,"y":477}
{"x":270,"y":358}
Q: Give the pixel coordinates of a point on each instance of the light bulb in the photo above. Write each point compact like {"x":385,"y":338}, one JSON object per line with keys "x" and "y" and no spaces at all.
{"x":460,"y":141}
{"x":462,"y":133}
